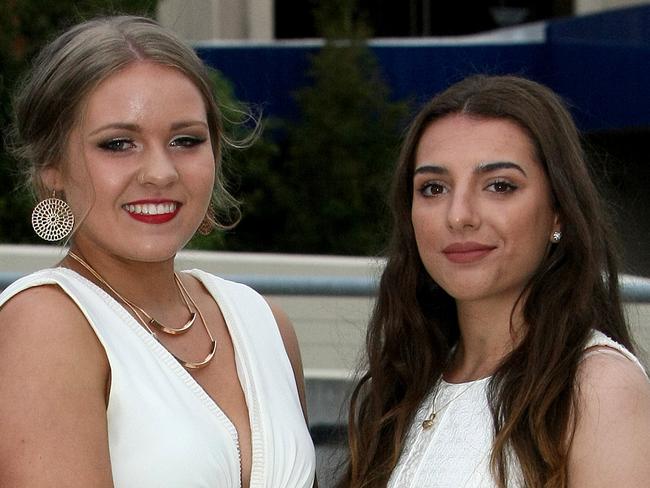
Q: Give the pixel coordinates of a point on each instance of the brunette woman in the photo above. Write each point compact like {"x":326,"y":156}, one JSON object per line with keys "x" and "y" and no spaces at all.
{"x":498,"y":353}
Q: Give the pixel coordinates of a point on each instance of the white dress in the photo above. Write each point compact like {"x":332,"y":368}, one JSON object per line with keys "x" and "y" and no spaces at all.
{"x":164,"y":431}
{"x":455,"y":451}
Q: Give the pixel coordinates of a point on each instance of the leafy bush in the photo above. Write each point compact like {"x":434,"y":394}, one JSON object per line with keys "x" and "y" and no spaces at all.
{"x":325,"y":190}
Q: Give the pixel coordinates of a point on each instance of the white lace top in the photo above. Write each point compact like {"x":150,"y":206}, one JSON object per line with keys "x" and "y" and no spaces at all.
{"x":455,"y":451}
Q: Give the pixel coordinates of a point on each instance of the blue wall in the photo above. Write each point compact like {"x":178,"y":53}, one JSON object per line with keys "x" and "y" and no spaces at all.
{"x":599,"y":63}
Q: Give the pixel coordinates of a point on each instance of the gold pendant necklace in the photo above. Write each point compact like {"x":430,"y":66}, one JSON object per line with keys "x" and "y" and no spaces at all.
{"x":148,"y":320}
{"x":430,"y":420}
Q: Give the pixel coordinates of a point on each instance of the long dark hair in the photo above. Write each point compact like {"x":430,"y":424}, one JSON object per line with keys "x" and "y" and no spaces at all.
{"x":532,"y":395}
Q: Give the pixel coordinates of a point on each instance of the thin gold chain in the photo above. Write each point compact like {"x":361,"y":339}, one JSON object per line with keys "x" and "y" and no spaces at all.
{"x":138,"y":312}
{"x":429,"y":421}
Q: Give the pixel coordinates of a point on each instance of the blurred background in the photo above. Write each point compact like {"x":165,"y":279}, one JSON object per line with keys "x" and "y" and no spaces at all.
{"x":333,"y":84}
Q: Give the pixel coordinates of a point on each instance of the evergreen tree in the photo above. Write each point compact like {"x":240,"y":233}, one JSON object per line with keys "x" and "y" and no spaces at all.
{"x":247,"y":163}
{"x":342,"y":150}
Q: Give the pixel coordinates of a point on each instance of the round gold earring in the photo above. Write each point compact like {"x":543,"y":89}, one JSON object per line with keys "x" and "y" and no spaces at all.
{"x":207,"y":225}
{"x":52,"y":219}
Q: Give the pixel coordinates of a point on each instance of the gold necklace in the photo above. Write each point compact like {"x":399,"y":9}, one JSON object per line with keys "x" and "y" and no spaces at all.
{"x":167,"y":329}
{"x":430,"y":420}
{"x":139,"y":312}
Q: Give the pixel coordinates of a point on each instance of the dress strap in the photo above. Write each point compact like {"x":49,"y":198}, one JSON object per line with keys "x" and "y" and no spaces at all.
{"x":599,"y":343}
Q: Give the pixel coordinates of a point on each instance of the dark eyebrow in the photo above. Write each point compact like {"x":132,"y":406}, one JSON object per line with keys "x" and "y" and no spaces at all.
{"x":497,"y":165}
{"x":430,"y":168}
{"x":481,"y":168}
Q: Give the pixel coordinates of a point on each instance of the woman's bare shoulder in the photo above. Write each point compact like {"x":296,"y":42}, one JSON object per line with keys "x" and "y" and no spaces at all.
{"x":609,"y":376}
{"x":44,"y":311}
{"x":292,"y":348}
{"x":43,"y":332}
{"x":53,"y":402}
{"x":613,"y":422}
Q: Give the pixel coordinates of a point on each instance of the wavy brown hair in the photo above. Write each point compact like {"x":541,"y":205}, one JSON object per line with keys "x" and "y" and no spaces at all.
{"x":414,"y":326}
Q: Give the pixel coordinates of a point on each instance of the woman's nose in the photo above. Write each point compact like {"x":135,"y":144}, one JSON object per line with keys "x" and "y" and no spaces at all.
{"x":158,"y":169}
{"x":462,"y":213}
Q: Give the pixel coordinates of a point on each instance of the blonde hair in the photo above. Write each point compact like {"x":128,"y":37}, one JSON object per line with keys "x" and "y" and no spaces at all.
{"x":51,"y":97}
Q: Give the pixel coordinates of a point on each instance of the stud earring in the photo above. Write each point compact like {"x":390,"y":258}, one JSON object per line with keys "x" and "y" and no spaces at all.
{"x":556,"y":236}
{"x":52,"y":219}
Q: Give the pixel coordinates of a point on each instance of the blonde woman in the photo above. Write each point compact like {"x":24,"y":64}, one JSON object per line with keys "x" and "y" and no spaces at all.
{"x":116,"y":369}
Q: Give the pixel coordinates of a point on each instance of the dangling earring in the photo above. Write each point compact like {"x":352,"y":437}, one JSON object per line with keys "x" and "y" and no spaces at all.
{"x":207,"y":225}
{"x":52,"y":219}
{"x":556,"y":236}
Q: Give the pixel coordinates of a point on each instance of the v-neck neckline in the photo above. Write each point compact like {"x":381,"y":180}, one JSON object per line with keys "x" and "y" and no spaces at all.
{"x":242,"y":367}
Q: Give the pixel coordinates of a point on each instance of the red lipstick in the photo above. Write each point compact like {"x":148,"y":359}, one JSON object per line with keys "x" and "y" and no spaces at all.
{"x":152,"y":211}
{"x":466,"y":252}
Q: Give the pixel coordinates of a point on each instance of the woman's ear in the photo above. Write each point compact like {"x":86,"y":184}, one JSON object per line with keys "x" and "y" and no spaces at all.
{"x":556,"y":233}
{"x":51,"y":178}
{"x":557,"y":223}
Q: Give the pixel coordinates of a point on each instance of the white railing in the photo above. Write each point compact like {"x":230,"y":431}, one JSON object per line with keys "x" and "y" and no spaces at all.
{"x":634,"y":289}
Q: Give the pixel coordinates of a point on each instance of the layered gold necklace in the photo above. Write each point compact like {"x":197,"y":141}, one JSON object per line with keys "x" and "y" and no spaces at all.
{"x":147,"y":320}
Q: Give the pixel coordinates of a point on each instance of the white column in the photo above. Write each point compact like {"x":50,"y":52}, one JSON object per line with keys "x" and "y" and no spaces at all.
{"x":191,"y":19}
{"x":198,"y":20}
{"x":591,"y":6}
{"x":260,"y":19}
